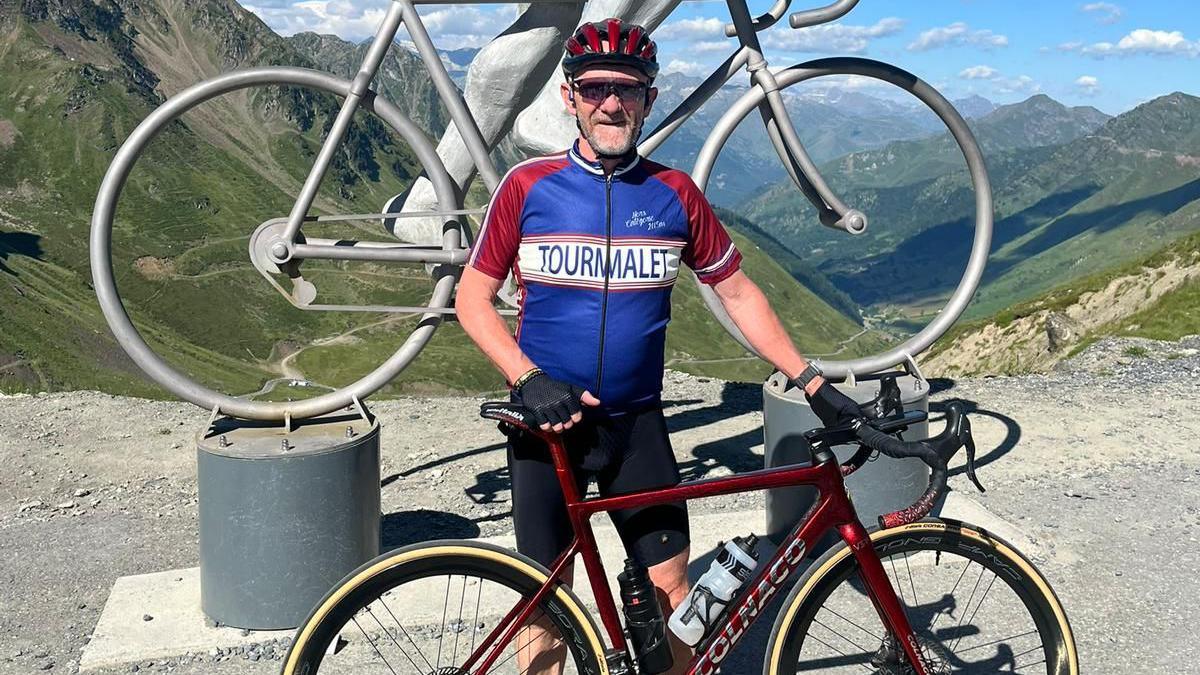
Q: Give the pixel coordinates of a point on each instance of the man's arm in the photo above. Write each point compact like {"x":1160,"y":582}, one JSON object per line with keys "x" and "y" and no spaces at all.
{"x":485,"y":326}
{"x":547,"y":398}
{"x":752,"y":314}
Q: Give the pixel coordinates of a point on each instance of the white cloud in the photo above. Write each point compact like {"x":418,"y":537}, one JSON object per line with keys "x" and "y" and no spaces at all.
{"x":709,"y":47}
{"x":957,"y":33}
{"x":450,"y":27}
{"x":979,"y":73}
{"x":1070,"y":46}
{"x":1021,"y":84}
{"x":1145,"y":41}
{"x":699,"y":28}
{"x":1088,"y":84}
{"x":835,"y":37}
{"x":1105,"y":12}
{"x":687,"y":68}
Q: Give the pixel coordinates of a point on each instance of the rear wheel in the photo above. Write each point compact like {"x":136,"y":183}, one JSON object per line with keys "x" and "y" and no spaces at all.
{"x":425,"y":609}
{"x":146,"y":208}
{"x":975,"y":603}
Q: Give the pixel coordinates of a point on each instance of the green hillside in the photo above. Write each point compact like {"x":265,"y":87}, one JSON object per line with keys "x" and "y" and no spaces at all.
{"x":1062,"y":211}
{"x":79,"y":78}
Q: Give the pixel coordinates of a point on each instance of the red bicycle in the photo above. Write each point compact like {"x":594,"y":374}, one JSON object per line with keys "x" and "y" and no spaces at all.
{"x":921,"y":596}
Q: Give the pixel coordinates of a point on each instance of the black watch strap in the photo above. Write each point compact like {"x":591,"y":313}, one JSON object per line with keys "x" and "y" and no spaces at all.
{"x":807,"y":375}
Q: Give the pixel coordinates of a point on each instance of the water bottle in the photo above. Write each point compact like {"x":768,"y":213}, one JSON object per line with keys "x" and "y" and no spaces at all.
{"x":644,"y":620}
{"x":713,"y":591}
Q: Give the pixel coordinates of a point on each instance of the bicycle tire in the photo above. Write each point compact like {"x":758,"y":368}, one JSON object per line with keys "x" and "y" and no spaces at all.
{"x":942,"y":537}
{"x":109,"y":193}
{"x":964,"y":139}
{"x":418,"y":562}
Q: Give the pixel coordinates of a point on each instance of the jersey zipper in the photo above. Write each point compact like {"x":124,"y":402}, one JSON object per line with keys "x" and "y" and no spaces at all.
{"x":604,"y":298}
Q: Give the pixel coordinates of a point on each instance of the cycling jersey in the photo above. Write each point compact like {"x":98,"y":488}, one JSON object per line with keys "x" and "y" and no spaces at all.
{"x":594,"y":257}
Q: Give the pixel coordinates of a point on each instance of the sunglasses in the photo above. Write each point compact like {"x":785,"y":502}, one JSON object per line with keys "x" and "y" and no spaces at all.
{"x":598,"y":92}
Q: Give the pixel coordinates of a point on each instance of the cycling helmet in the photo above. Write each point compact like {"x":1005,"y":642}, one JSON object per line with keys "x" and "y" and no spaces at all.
{"x":591,"y":44}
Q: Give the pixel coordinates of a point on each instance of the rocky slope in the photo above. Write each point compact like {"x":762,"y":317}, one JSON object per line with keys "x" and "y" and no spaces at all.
{"x":1154,"y":298}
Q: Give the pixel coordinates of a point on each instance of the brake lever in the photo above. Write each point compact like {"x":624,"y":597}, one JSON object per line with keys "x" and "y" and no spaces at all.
{"x":969,"y":441}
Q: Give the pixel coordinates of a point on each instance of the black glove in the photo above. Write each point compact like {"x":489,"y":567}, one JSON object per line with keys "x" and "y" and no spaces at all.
{"x":550,"y":401}
{"x":832,"y":406}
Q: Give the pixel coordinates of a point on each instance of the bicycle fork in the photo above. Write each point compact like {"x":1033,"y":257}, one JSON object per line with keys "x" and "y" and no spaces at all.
{"x":887,"y":604}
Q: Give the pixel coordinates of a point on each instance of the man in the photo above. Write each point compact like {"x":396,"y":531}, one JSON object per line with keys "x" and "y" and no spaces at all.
{"x":594,"y":237}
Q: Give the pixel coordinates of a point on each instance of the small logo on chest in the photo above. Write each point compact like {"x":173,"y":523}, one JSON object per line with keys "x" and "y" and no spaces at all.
{"x":643,"y":220}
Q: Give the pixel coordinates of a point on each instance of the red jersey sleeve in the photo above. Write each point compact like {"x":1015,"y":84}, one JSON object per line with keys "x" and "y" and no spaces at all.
{"x":500,"y":237}
{"x":709,"y":251}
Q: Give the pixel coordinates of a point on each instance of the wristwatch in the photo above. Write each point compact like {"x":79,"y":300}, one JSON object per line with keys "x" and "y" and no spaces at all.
{"x":807,"y":375}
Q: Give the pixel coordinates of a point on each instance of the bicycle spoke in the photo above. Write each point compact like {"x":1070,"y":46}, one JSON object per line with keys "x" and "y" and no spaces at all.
{"x":915,"y":603}
{"x":462,"y":598}
{"x":442,"y":635}
{"x":406,"y":635}
{"x":475,"y":621}
{"x":938,"y":615}
{"x":843,"y":637}
{"x":865,"y":630}
{"x":375,"y":647}
{"x":864,"y":666}
{"x":896,"y":580}
{"x":996,"y":642}
{"x":519,"y":646}
{"x":982,"y":598}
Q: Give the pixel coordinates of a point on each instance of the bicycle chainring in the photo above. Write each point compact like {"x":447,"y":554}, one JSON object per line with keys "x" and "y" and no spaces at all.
{"x":449,"y":670}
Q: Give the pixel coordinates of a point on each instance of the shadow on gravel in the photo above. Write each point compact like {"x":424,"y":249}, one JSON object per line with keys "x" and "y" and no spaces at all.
{"x":449,"y":459}
{"x":409,"y":527}
{"x":737,"y":398}
{"x":984,"y":456}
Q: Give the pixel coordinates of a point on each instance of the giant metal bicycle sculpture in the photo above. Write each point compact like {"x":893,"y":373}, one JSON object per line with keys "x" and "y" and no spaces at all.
{"x":279,"y":246}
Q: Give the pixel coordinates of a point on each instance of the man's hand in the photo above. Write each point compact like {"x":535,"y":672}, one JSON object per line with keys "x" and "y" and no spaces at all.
{"x":832,"y":406}
{"x":554,"y":405}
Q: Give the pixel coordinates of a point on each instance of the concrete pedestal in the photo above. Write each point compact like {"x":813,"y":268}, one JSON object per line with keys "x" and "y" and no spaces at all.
{"x":878,"y":487}
{"x":284,"y":515}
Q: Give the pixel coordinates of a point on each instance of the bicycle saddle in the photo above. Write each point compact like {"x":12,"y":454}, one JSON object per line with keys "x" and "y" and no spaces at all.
{"x":507,"y":413}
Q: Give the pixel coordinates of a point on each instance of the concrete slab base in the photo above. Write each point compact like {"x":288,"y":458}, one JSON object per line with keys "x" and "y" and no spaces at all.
{"x":177,"y":627}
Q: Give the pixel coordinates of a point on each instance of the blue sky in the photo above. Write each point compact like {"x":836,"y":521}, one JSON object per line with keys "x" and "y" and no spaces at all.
{"x":1111,"y":55}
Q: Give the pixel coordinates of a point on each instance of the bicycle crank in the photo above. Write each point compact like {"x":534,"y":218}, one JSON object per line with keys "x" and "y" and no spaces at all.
{"x":270,"y":234}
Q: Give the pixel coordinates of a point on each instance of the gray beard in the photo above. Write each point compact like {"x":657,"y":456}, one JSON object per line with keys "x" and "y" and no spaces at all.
{"x":607,"y":153}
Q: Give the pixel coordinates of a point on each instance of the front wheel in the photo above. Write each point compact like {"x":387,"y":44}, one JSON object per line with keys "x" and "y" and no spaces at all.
{"x":796,"y":162}
{"x":426,"y":608}
{"x":975,"y":603}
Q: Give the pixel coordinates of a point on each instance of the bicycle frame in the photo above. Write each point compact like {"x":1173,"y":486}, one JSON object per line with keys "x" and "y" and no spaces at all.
{"x":832,"y":510}
{"x":288,"y":246}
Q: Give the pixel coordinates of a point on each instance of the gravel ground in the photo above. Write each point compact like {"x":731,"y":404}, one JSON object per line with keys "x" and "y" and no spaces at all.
{"x":1096,"y":462}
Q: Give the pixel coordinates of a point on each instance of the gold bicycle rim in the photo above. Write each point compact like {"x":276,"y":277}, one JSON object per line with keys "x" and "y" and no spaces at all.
{"x":1000,"y":546}
{"x":581,"y":616}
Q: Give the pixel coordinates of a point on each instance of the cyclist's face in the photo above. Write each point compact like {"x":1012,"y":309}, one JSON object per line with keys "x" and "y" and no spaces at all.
{"x":610,"y":104}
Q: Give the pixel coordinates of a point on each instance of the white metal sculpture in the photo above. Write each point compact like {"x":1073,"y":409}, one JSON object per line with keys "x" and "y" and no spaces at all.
{"x":512,"y":85}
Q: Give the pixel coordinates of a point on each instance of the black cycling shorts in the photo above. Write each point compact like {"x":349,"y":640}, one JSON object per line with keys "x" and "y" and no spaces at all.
{"x":623,"y":453}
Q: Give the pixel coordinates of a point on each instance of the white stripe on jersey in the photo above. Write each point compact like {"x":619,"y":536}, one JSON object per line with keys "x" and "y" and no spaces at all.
{"x":632,"y":264}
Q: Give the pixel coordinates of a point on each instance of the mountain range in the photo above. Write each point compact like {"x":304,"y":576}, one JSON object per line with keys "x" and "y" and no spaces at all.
{"x":832,"y":120}
{"x":81,"y":74}
{"x":1074,"y":193}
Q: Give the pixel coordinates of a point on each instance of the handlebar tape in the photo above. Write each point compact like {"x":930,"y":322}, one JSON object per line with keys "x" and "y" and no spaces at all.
{"x":877,"y":440}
